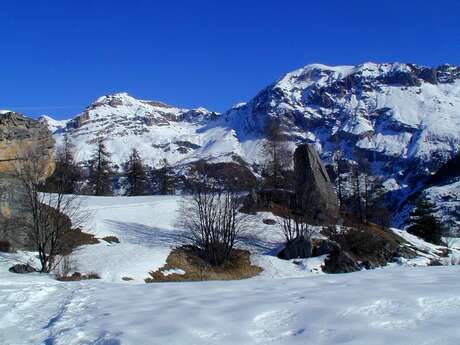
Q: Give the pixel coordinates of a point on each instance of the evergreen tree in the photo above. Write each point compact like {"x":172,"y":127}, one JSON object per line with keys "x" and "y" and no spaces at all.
{"x":424,"y":224}
{"x":67,"y":173}
{"x":136,"y":175}
{"x":100,"y":179}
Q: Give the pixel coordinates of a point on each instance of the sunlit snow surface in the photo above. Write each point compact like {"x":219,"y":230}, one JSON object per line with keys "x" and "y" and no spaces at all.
{"x":287,"y":304}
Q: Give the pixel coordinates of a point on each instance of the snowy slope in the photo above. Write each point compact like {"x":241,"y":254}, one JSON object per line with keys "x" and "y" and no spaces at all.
{"x":289,"y":303}
{"x":147,"y":229}
{"x":52,"y":124}
{"x":417,"y":306}
{"x":447,"y":200}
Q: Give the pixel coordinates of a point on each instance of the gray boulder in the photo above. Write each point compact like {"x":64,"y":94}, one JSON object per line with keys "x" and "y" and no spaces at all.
{"x":20,"y":268}
{"x":323,"y":247}
{"x":299,"y":248}
{"x":314,"y":193}
{"x":340,"y":261}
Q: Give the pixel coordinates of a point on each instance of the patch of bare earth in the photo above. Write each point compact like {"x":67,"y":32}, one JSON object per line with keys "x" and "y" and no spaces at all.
{"x":185,"y":264}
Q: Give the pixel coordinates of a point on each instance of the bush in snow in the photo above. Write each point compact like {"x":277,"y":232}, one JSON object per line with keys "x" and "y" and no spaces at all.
{"x":424,"y":224}
{"x":211,"y":219}
{"x":5,"y":246}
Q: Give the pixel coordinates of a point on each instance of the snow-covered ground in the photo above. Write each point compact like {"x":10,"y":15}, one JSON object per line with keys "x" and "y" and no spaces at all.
{"x":288,"y":303}
{"x":148,"y":230}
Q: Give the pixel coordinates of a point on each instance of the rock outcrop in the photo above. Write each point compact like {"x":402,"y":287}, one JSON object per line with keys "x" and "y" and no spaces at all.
{"x":21,"y":269}
{"x":299,"y":248}
{"x":19,"y":135}
{"x":314,"y":193}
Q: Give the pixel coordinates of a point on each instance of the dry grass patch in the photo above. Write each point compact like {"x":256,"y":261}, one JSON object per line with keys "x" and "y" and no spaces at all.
{"x":195,"y":268}
{"x":75,"y":238}
{"x":77,"y":276}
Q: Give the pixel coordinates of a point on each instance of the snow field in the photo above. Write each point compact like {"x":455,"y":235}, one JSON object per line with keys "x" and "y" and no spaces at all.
{"x":288,"y":303}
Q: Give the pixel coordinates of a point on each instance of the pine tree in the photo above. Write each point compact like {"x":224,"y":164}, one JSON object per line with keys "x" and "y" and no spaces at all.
{"x":67,"y":173}
{"x":424,"y":224}
{"x":100,"y":179}
{"x":136,"y":175}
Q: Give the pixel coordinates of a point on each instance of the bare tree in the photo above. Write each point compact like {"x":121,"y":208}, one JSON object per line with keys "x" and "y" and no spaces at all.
{"x":277,"y":153}
{"x":294,"y":225}
{"x":51,"y":215}
{"x":211,"y":219}
{"x":338,"y":163}
{"x":357,"y":193}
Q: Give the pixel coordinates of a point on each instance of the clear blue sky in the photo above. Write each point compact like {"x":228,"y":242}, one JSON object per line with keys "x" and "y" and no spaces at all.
{"x":56,"y":57}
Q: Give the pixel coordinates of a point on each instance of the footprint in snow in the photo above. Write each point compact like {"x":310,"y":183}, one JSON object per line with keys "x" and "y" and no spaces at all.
{"x":274,"y":325}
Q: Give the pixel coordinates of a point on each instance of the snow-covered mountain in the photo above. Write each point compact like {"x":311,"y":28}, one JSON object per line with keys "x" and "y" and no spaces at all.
{"x":157,"y":130}
{"x":52,"y":124}
{"x":401,"y":114}
{"x":403,"y":118}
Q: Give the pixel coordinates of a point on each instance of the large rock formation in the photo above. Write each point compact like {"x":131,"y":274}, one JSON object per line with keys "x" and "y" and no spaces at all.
{"x":19,"y":135}
{"x":314,"y":193}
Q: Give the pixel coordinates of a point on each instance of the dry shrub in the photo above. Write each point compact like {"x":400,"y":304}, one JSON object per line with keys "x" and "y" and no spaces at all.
{"x":211,"y":219}
{"x":371,"y":244}
{"x":5,"y":246}
{"x":77,"y":276}
{"x":188,"y":259}
{"x":65,"y":266}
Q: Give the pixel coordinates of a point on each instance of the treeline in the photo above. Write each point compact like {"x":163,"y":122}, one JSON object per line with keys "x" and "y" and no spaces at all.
{"x":100,"y":176}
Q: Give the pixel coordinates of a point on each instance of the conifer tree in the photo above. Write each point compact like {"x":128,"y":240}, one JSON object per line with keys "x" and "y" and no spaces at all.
{"x":424,"y":224}
{"x":67,"y":173}
{"x":136,"y":175}
{"x":100,"y":179}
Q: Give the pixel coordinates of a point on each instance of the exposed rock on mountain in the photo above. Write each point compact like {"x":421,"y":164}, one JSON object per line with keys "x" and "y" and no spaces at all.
{"x":157,"y":130}
{"x":314,"y":192}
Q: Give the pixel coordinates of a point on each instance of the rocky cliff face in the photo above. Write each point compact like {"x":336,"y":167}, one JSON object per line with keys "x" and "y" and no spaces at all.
{"x":19,"y":134}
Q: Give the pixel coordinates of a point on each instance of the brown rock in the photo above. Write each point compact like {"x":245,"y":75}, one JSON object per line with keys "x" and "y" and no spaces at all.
{"x":18,"y":135}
